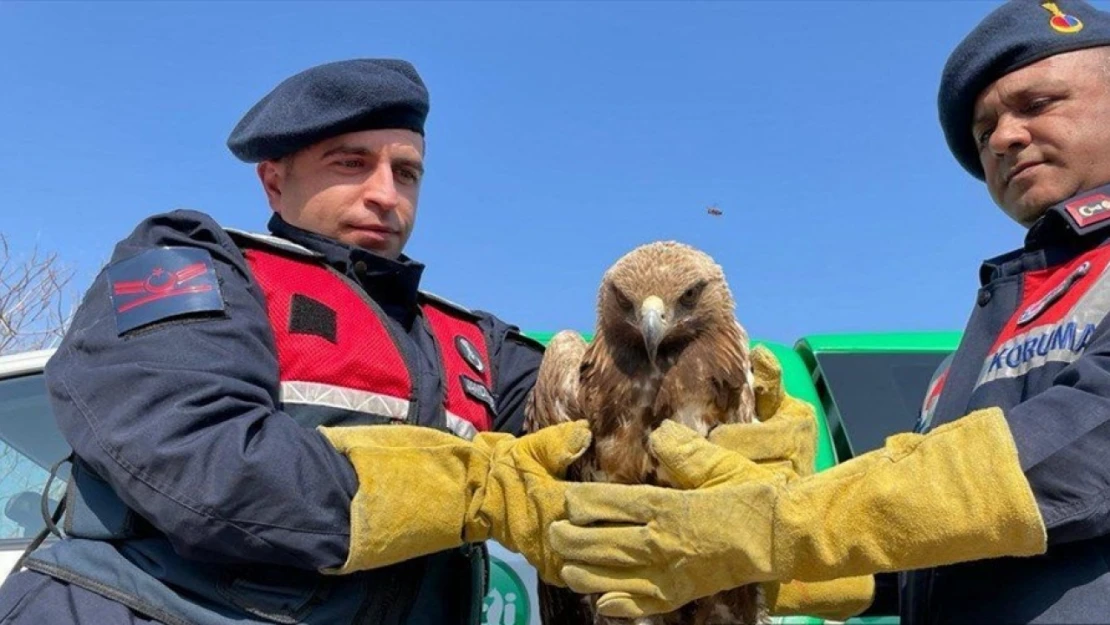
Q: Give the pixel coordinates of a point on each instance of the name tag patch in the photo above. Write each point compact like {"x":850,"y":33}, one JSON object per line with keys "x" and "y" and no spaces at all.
{"x":478,"y":391}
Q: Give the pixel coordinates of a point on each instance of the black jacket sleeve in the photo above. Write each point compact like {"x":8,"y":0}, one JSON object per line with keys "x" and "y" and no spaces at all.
{"x":1063,"y":441}
{"x":181,"y":417}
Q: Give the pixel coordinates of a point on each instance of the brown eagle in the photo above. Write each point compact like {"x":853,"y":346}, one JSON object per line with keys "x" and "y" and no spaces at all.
{"x":667,"y":345}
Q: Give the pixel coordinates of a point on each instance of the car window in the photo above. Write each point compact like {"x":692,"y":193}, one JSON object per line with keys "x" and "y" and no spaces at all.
{"x":29,"y":445}
{"x":869,"y":396}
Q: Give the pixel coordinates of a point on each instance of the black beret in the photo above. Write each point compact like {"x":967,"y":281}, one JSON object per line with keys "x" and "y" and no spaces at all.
{"x":330,"y":100}
{"x":1016,"y":34}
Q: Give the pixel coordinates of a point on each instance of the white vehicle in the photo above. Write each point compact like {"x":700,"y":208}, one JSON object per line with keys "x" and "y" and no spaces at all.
{"x":29,"y":445}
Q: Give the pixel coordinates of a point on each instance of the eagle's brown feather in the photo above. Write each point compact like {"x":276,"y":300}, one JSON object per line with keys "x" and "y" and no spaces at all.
{"x":697,"y":373}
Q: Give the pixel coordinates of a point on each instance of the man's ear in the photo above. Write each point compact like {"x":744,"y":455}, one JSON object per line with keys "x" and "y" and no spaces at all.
{"x":272,"y":175}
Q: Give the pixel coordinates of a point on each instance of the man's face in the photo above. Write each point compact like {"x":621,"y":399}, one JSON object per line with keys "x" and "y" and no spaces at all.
{"x":1044,"y":132}
{"x":360,"y":188}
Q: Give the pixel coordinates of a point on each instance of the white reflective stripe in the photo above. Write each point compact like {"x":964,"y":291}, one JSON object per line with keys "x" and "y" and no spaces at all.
{"x":1064,"y":340}
{"x":461,"y":427}
{"x":319,"y":394}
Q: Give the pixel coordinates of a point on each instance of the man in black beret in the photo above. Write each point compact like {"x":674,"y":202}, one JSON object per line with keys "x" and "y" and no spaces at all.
{"x":284,"y":428}
{"x":1025,"y":59}
{"x":999,"y":502}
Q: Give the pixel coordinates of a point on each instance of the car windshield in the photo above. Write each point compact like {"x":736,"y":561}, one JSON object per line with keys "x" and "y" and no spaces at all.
{"x":876,"y":394}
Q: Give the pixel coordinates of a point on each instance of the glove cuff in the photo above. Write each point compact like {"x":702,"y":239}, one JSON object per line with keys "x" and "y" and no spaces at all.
{"x":412,"y":492}
{"x":953,"y":495}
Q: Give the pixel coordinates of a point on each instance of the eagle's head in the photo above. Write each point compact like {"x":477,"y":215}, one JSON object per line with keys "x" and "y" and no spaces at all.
{"x":661,"y":296}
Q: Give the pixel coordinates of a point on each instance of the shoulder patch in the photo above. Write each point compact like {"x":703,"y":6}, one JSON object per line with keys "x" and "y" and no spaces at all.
{"x":161,"y":283}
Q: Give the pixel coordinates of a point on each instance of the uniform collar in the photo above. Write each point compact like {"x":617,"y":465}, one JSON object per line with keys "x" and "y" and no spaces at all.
{"x":1084,"y":215}
{"x":393,"y":284}
{"x":1078,"y":223}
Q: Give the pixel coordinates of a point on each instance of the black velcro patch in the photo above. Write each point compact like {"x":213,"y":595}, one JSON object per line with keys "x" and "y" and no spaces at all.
{"x":308,"y":316}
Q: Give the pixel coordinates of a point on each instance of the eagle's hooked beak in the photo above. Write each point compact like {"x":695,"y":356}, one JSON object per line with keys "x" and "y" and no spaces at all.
{"x":653,"y":324}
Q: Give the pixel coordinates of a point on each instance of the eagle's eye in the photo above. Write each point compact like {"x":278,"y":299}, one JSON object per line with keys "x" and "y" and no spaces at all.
{"x":691,"y":295}
{"x":622,"y":300}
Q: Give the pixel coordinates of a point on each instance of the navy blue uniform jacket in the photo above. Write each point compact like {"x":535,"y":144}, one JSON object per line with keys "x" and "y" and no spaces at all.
{"x":181,"y":416}
{"x":1038,"y":347}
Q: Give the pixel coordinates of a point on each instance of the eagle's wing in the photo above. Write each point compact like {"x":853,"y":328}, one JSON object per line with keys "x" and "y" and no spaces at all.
{"x":554,"y":399}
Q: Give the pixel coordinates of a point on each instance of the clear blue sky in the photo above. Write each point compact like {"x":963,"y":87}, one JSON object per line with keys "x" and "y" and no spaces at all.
{"x":561,"y":135}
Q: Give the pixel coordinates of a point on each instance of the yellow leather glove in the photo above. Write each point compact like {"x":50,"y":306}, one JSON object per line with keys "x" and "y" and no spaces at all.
{"x":952,"y":495}
{"x":784,"y":440}
{"x":422,"y":491}
{"x":834,"y":600}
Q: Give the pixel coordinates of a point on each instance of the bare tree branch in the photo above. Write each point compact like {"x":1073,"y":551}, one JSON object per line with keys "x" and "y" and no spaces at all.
{"x":32,"y":294}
